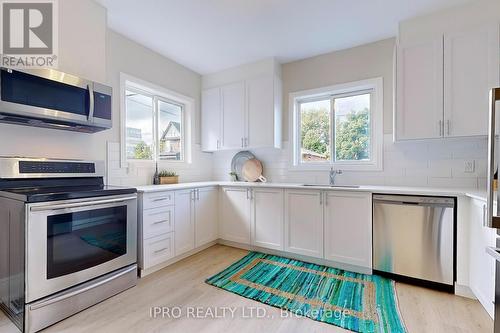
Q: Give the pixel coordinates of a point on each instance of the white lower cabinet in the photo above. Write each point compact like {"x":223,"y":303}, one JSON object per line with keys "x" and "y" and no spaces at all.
{"x":235,"y":214}
{"x":157,"y":250}
{"x":304,"y":222}
{"x":156,"y":228}
{"x":206,"y":215}
{"x":267,"y":218}
{"x":184,"y":221}
{"x":196,"y":212}
{"x":175,"y":222}
{"x":252,"y":216}
{"x":331,"y":225}
{"x":157,"y":221}
{"x":348,"y":228}
{"x":481,"y":264}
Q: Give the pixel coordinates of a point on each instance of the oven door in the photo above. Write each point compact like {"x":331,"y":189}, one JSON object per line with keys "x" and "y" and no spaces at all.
{"x":70,"y":242}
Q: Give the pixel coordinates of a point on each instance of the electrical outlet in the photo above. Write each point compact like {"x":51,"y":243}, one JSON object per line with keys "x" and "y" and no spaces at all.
{"x":469,"y":166}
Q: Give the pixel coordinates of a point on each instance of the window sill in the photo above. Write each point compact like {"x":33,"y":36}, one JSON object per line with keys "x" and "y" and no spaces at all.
{"x":336,"y":166}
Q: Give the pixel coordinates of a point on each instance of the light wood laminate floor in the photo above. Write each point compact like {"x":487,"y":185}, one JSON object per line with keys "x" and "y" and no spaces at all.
{"x":182,"y":285}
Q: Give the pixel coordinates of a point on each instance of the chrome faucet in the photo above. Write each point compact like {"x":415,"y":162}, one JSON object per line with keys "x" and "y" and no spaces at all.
{"x":333,"y":175}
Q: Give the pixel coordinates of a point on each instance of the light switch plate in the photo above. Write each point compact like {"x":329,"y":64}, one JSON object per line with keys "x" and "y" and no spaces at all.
{"x":469,"y":166}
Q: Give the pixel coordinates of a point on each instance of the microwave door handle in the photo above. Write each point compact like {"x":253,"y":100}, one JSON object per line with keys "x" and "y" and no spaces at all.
{"x":493,"y":221}
{"x":90,"y":88}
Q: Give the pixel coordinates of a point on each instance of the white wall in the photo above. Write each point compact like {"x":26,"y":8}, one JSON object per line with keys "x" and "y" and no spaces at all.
{"x":474,"y":13}
{"x":82,"y":51}
{"x":89,"y":49}
{"x":131,"y":58}
{"x":437,"y":163}
{"x":83,"y":39}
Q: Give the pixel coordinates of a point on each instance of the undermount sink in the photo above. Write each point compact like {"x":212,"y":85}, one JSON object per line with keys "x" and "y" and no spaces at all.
{"x":328,"y":185}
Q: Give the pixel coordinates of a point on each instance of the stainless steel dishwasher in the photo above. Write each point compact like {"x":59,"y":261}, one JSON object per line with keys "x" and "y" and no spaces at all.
{"x":414,"y":239}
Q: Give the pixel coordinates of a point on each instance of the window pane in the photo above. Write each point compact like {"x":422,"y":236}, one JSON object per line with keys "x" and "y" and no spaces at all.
{"x":170,"y":131}
{"x":352,"y":128}
{"x":139,"y":124}
{"x":315,"y":131}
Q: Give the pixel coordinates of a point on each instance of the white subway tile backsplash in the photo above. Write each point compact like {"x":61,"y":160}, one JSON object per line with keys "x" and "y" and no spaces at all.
{"x":141,"y":173}
{"x":420,"y":163}
{"x":435,"y":163}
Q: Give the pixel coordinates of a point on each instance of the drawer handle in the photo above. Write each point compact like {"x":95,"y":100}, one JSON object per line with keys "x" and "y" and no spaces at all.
{"x":160,"y":222}
{"x":161,"y":250}
{"x":163,"y":212}
{"x":161,"y":199}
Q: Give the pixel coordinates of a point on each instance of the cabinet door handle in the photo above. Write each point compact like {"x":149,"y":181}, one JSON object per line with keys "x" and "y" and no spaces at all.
{"x":161,"y":250}
{"x":321,"y":198}
{"x":160,"y":222}
{"x":246,"y":142}
{"x":326,"y":198}
{"x":198,"y":194}
{"x":161,"y":199}
{"x":448,"y":126}
{"x":484,"y":216}
{"x":440,"y":124}
{"x":242,"y":143}
{"x":218,"y":144}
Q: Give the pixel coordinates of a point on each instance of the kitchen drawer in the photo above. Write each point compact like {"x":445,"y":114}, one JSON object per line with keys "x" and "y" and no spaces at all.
{"x":157,"y":221}
{"x":158,"y":249}
{"x":158,"y":199}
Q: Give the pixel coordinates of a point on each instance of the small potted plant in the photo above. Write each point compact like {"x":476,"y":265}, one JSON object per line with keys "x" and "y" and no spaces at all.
{"x":168,"y":177}
{"x":234,"y":176}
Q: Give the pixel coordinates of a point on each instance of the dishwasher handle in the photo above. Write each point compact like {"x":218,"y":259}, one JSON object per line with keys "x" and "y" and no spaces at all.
{"x":414,"y":200}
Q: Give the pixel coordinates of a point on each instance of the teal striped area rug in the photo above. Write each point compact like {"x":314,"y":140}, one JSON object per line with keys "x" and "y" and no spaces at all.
{"x":357,"y":302}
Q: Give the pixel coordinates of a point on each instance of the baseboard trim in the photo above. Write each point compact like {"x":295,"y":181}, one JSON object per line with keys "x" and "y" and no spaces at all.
{"x":460,"y":290}
{"x":464,"y":291}
{"x":318,"y":261}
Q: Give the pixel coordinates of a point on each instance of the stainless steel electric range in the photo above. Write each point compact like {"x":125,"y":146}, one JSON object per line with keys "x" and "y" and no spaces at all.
{"x":67,"y":241}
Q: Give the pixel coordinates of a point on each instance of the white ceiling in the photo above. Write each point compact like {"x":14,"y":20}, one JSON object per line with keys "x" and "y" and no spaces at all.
{"x":209,"y":35}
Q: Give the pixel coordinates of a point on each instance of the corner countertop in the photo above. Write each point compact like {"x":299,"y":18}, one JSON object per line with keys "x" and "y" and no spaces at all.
{"x":472,"y":193}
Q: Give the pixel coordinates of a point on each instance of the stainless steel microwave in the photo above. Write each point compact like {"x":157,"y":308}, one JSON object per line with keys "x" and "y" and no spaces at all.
{"x":53,"y":99}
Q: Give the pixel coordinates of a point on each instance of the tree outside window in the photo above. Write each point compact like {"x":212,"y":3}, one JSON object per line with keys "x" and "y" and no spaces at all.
{"x":350,"y":133}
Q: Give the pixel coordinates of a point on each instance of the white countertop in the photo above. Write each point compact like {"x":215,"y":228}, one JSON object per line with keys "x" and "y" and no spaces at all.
{"x":472,"y":193}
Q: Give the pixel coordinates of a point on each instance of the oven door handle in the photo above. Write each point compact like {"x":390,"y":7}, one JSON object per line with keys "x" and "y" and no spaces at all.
{"x":79,"y":204}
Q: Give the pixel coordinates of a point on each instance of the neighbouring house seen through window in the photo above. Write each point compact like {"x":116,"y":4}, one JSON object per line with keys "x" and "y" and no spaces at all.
{"x":154,"y":127}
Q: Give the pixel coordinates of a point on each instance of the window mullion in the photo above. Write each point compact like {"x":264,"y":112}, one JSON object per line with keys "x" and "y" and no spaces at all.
{"x":155,"y":129}
{"x":332,"y":130}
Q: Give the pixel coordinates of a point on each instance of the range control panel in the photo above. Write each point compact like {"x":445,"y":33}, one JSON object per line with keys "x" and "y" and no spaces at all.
{"x":56,"y":167}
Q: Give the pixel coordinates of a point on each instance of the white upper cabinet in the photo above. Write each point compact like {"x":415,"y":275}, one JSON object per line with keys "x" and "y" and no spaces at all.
{"x":442,"y":84}
{"x":419,"y":99}
{"x":233,"y":115}
{"x":211,"y":116}
{"x":261,"y":117}
{"x":241,"y":109}
{"x":304,"y":222}
{"x":471,"y":69}
{"x":348,"y":228}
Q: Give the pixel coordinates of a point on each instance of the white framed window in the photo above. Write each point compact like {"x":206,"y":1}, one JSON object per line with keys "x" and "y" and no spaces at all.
{"x":155,"y":123}
{"x":339,"y":126}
